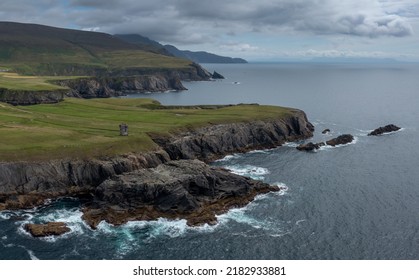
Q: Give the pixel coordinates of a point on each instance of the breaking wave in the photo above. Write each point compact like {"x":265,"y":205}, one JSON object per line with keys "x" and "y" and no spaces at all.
{"x":254,"y":172}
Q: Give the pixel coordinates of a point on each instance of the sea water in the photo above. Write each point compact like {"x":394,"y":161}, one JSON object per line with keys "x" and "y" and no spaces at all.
{"x":356,"y":201}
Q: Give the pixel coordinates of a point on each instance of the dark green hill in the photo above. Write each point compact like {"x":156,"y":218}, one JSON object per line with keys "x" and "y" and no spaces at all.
{"x":45,"y":50}
{"x":144,"y":43}
{"x":202,"y":57}
{"x":198,"y":57}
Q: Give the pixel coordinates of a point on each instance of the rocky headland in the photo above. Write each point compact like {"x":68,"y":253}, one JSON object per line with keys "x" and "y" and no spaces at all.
{"x":171,"y":181}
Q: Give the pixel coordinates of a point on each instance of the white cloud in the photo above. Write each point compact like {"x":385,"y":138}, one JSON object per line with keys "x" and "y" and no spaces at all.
{"x":239,"y":47}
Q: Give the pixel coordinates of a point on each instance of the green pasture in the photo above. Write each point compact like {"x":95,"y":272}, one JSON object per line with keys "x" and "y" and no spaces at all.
{"x":79,"y":128}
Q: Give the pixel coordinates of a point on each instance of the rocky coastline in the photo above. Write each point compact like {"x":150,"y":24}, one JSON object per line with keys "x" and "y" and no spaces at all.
{"x":172,"y":181}
{"x":104,"y":85}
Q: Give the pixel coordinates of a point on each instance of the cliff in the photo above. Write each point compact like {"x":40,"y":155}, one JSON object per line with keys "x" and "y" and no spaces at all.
{"x":27,"y":184}
{"x":23,"y":97}
{"x":212,"y":142}
{"x":117,"y":83}
{"x":117,"y":86}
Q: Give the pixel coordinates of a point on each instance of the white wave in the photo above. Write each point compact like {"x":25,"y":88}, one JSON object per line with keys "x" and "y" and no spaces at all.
{"x":300,"y":221}
{"x":291,"y":144}
{"x":228,"y":158}
{"x":264,"y":151}
{"x":254,"y":172}
{"x":328,"y":147}
{"x":159,"y":227}
{"x":170,"y":228}
{"x":32,"y":255}
{"x":239,"y":215}
{"x":4,"y":237}
{"x":5,"y":215}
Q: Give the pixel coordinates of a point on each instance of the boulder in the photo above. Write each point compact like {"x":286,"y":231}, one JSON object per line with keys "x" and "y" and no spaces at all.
{"x":310,"y":146}
{"x":326,"y":131}
{"x":49,"y":229}
{"x":340,"y":140}
{"x":384,"y":129}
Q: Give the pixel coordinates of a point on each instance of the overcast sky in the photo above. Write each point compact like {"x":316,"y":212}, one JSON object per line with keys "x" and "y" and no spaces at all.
{"x":252,"y":29}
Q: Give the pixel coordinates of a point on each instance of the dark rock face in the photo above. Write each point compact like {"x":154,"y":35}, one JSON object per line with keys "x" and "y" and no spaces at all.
{"x":187,"y":189}
{"x":210,"y":143}
{"x":326,"y":131}
{"x":49,"y":229}
{"x":116,"y":86}
{"x":217,"y":75}
{"x":16,"y":97}
{"x":384,"y":129}
{"x":28,"y":184}
{"x":340,"y":140}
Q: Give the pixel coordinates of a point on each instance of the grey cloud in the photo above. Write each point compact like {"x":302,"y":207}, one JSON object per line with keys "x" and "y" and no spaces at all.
{"x":191,"y":21}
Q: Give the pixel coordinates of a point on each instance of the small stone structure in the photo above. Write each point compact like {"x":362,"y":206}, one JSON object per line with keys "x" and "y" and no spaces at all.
{"x":123,"y":129}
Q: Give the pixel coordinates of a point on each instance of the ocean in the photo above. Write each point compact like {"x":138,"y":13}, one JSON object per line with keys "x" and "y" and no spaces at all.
{"x":356,"y":201}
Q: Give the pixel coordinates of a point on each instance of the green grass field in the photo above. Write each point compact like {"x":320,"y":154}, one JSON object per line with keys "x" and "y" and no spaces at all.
{"x":13,"y":81}
{"x":79,"y":128}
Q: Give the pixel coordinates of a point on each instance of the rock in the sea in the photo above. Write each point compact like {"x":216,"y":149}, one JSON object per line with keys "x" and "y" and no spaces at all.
{"x":340,"y":140}
{"x":49,"y":229}
{"x":217,"y":75}
{"x":326,"y":131}
{"x":186,"y":189}
{"x":310,"y":146}
{"x":384,"y":129}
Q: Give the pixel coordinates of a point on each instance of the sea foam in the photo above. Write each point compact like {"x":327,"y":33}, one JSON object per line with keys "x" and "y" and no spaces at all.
{"x":254,"y":172}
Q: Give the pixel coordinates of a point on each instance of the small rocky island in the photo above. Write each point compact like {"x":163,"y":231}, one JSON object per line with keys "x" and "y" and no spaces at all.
{"x":340,"y":140}
{"x":384,"y":129}
{"x":48,"y":229}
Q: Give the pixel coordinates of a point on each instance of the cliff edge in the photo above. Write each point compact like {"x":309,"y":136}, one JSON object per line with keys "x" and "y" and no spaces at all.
{"x":168,"y":182}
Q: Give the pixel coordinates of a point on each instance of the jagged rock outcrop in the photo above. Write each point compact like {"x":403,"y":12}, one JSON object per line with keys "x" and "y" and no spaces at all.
{"x":28,"y":184}
{"x":212,"y":142}
{"x":49,"y":229}
{"x":384,"y":129}
{"x":188,"y":189}
{"x":340,"y":140}
{"x":21,"y":97}
{"x":217,"y":75}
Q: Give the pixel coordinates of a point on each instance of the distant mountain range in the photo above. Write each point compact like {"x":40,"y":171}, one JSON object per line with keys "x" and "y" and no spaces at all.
{"x":198,"y":57}
{"x":45,"y":50}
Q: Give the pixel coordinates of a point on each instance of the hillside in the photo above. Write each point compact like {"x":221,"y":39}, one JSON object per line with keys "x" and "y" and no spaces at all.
{"x":198,"y":57}
{"x":144,"y":43}
{"x":44,"y":50}
{"x":201,"y":56}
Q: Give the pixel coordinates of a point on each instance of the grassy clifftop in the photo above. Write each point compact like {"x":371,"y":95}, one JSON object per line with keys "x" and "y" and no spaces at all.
{"x":88,"y":128}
